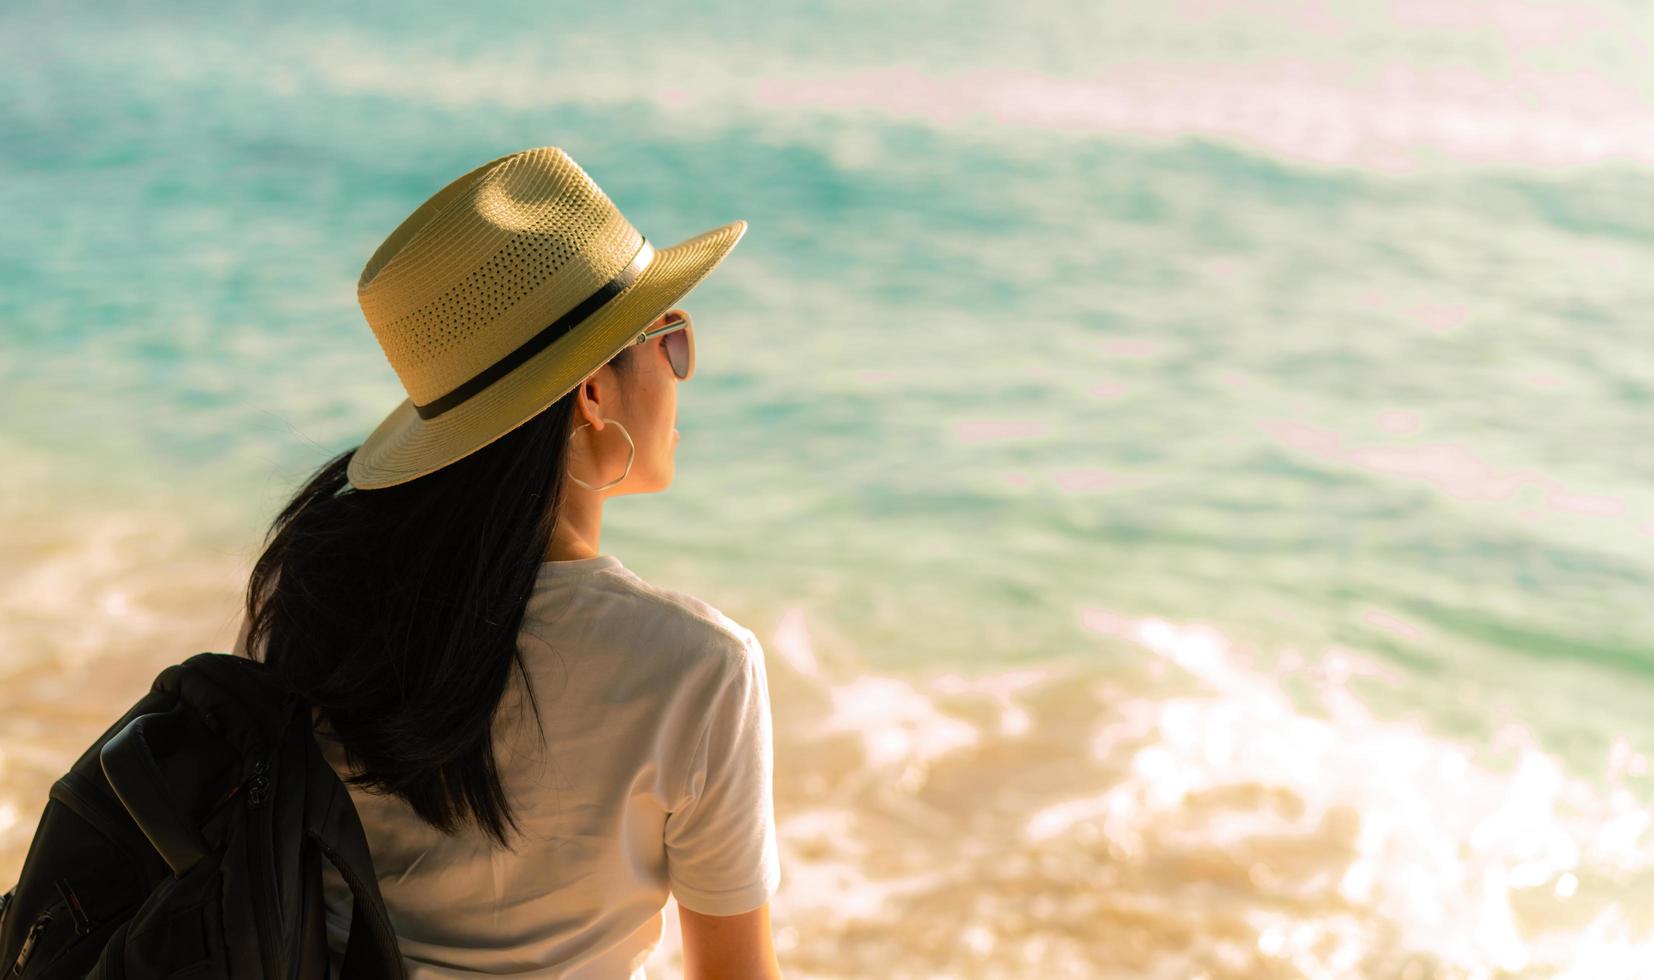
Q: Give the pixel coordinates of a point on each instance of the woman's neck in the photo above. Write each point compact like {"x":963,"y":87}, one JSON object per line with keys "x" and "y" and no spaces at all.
{"x":579,"y":528}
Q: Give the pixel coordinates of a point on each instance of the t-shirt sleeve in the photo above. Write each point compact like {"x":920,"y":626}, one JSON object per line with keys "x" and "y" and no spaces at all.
{"x":721,"y":852}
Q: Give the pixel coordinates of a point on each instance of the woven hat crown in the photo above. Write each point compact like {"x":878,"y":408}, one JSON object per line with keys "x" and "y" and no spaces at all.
{"x":487,"y":262}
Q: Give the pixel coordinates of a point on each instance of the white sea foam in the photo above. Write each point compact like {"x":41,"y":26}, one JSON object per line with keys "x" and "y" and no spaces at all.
{"x":1293,"y":839}
{"x":1468,"y":862}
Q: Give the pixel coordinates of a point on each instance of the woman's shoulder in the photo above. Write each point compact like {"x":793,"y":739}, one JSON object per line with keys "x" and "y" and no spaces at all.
{"x":694,"y":616}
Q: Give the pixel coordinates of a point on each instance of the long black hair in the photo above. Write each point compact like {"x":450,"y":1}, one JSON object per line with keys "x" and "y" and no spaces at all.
{"x":395,"y":612}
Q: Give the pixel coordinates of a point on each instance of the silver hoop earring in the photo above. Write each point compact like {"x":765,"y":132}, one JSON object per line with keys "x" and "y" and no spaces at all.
{"x":631,"y":454}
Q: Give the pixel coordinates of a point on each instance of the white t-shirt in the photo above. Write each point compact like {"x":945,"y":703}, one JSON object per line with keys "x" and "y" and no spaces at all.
{"x":655,"y":775}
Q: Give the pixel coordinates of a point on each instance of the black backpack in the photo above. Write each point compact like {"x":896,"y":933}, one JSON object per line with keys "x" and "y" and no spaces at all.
{"x":187,"y":842}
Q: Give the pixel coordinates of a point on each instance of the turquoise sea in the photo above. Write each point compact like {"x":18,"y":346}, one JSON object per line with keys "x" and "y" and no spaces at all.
{"x":1189,"y":464}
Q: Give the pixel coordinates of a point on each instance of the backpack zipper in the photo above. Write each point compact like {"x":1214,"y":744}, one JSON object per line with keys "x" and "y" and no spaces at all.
{"x":259,"y":785}
{"x":41,"y":921}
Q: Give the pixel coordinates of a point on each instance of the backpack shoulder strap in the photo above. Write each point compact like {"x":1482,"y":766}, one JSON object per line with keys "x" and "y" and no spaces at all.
{"x":329,"y":817}
{"x":331,"y":821}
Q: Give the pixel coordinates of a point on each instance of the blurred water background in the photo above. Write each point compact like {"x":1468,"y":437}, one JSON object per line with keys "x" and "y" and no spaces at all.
{"x":1188,"y":463}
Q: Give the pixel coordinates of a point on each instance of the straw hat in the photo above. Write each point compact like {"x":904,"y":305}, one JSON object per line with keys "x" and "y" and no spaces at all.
{"x":502,"y":293}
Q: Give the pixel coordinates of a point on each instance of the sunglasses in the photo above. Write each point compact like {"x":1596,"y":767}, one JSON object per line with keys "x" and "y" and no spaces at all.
{"x":677,"y":331}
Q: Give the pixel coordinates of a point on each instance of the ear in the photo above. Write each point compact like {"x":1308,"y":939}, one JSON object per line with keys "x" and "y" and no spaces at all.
{"x":588,"y":401}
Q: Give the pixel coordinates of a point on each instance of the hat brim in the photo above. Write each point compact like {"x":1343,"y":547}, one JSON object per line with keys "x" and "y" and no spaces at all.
{"x":405,"y":447}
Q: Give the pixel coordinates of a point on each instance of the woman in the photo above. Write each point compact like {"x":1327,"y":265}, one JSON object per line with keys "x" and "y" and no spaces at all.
{"x":421,"y":587}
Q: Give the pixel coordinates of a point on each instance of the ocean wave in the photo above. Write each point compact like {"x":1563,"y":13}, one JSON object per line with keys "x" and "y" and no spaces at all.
{"x":1068,"y":819}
